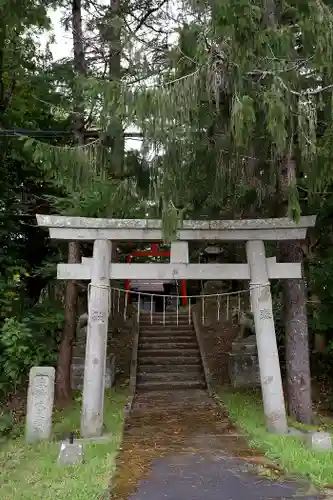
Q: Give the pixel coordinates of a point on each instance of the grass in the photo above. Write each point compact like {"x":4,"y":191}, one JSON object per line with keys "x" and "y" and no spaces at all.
{"x":30,"y":472}
{"x":292,"y":455}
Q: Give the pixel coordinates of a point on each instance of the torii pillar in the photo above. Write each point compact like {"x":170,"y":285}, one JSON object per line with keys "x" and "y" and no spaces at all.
{"x":97,"y":332}
{"x":268,"y":356}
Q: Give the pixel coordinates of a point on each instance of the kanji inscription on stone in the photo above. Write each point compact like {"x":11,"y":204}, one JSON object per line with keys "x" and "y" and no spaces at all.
{"x":40,"y":403}
{"x":98,"y":316}
{"x":265,"y":314}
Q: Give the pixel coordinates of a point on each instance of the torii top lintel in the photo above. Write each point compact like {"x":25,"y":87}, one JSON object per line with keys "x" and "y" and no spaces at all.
{"x":88,"y":229}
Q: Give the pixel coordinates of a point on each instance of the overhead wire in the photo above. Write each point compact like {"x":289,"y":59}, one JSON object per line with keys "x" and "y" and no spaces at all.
{"x":59,"y":133}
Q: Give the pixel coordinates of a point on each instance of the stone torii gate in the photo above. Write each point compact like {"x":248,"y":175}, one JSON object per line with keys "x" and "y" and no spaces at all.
{"x":100,"y":270}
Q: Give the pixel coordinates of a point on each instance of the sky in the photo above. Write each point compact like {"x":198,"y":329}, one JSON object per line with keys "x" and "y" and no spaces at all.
{"x":62,"y":47}
{"x":63,"y":40}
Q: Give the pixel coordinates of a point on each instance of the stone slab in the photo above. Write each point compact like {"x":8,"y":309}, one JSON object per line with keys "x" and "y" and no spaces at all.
{"x":172,"y":271}
{"x":270,"y":261}
{"x":85,"y":228}
{"x":244,"y":370}
{"x":40,"y":403}
{"x":70,"y":454}
{"x":245,"y":346}
{"x":129,"y":224}
{"x":319,"y":441}
{"x":77,"y":372}
{"x":86,"y":234}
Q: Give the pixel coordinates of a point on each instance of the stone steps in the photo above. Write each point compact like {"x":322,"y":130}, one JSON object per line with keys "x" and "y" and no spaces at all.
{"x":168,"y":355}
{"x":143,"y":359}
{"x":157,"y":325}
{"x":160,"y":353}
{"x":167,"y":386}
{"x":167,"y":321}
{"x":167,"y":338}
{"x":177,"y":368}
{"x":167,"y":333}
{"x":168,"y":376}
{"x":167,"y":326}
{"x":168,"y":345}
{"x":181,"y":323}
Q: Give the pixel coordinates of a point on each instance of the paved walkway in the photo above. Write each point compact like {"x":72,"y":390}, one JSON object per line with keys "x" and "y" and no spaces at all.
{"x":181,"y":446}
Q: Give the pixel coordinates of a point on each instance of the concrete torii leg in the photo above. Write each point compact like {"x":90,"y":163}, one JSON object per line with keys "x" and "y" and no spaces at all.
{"x":97,"y":330}
{"x":270,"y":373}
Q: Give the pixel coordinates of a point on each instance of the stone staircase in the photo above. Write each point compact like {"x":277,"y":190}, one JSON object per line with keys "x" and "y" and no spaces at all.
{"x":168,"y":354}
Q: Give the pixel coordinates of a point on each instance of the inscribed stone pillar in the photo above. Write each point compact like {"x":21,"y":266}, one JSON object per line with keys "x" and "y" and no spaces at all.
{"x":40,"y":403}
{"x":98,"y":313}
{"x":270,"y":373}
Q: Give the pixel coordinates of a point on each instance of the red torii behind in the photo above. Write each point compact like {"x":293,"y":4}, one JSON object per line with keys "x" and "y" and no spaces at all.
{"x":155,"y":252}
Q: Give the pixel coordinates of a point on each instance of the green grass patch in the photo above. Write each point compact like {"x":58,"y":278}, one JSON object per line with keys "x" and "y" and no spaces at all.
{"x":246,"y":411}
{"x":321,"y":423}
{"x":30,"y":472}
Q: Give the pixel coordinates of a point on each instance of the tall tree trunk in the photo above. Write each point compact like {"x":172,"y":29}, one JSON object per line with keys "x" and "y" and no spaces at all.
{"x":294,"y":293}
{"x":270,"y":13}
{"x":115,"y":47}
{"x":295,"y":317}
{"x":114,"y":42}
{"x":80,"y":69}
{"x":63,"y":379}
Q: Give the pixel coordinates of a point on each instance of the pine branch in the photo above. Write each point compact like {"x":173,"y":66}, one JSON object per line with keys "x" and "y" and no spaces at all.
{"x":305,"y":93}
{"x":148,"y":14}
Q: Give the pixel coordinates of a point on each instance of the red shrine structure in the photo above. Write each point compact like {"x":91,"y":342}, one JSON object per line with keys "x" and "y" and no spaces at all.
{"x":155,"y":252}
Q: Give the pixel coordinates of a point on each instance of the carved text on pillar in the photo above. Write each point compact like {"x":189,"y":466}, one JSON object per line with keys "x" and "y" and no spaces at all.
{"x":265,"y":314}
{"x":98,"y":317}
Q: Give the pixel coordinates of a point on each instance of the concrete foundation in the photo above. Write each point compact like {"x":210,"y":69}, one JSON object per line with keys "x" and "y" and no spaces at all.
{"x":70,"y":454}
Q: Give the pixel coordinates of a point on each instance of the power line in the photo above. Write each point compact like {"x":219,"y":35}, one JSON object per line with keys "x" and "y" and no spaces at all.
{"x":60,"y":133}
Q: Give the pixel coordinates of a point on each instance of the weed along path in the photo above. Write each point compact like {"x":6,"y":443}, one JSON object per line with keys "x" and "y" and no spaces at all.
{"x":181,"y":446}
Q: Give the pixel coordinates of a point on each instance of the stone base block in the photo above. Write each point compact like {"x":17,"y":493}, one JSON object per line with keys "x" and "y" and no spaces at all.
{"x":70,"y":454}
{"x":247,"y":345}
{"x":319,"y":441}
{"x":77,"y":372}
{"x":244,"y":370}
